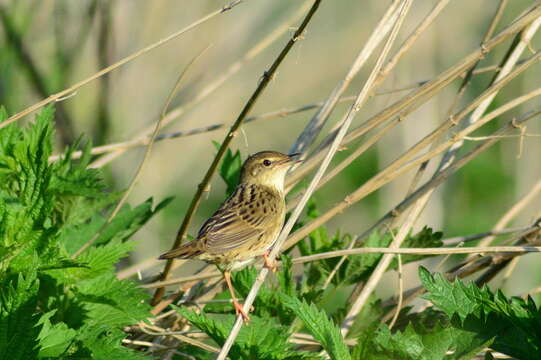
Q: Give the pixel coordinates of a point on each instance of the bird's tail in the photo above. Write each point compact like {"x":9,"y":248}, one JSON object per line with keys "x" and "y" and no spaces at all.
{"x":186,"y":251}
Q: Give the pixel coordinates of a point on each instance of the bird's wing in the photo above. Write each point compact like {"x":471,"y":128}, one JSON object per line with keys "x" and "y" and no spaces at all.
{"x":243,"y":218}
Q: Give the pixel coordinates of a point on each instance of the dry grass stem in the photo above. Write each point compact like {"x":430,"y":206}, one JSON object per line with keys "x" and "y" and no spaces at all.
{"x":412,"y":101}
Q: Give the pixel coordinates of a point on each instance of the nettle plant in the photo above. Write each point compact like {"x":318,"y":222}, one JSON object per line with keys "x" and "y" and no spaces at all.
{"x":55,"y":305}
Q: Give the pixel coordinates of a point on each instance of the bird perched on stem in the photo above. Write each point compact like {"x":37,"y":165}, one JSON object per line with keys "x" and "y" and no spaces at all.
{"x":247,"y":224}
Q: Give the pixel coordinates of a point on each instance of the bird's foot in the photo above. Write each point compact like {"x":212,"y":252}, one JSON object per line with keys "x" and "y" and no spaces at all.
{"x":240,"y":311}
{"x":271,"y":265}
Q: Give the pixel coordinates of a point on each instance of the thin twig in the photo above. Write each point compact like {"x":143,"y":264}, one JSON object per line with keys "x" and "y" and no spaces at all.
{"x":461,"y":239}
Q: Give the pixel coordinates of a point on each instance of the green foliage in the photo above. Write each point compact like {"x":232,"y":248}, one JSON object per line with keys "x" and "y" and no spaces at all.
{"x":512,"y":324}
{"x":320,"y":326}
{"x":18,"y":320}
{"x":261,"y":339}
{"x":53,"y":305}
{"x":416,"y":342}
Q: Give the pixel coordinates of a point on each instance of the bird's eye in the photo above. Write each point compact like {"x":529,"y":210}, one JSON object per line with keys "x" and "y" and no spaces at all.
{"x":267,"y":162}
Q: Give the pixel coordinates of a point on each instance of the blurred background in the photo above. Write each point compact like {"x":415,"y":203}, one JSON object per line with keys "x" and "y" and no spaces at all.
{"x":48,"y":45}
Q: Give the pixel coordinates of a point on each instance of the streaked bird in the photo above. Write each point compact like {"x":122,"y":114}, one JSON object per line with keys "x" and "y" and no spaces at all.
{"x":247,"y":224}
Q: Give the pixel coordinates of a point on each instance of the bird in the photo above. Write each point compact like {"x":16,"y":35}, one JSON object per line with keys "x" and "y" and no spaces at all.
{"x":247,"y":224}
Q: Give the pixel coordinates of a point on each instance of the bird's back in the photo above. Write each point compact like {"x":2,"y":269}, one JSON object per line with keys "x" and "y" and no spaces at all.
{"x":244,"y":226}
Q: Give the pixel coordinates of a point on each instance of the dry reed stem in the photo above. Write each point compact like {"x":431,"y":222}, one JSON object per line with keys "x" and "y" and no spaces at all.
{"x":203,"y":186}
{"x":62,"y":94}
{"x":462,"y":90}
{"x":368,"y":250}
{"x":361,"y":98}
{"x":412,"y":101}
{"x":446,"y":161}
{"x":453,"y":241}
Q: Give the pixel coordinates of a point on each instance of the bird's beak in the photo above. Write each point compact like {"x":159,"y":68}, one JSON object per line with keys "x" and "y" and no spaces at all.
{"x":294,"y":158}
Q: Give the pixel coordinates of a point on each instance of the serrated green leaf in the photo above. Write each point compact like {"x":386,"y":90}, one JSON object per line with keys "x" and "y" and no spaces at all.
{"x":513,"y":324}
{"x":113,"y":302}
{"x":320,"y":326}
{"x":46,"y":208}
{"x":261,"y":339}
{"x":124,"y":225}
{"x":416,"y":343}
{"x":53,"y":339}
{"x":18,"y":321}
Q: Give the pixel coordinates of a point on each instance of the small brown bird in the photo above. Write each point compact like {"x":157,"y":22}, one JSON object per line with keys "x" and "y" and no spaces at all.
{"x":247,"y":224}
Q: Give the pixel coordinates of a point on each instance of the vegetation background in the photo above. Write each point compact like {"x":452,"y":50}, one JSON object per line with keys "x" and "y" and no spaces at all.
{"x":46,"y":46}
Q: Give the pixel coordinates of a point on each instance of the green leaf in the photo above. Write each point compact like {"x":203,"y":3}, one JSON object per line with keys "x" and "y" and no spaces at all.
{"x":416,"y":343}
{"x":53,"y":339}
{"x":18,"y":321}
{"x":53,"y":306}
{"x":513,"y":323}
{"x":452,"y":298}
{"x":320,"y":326}
{"x":125,"y":224}
{"x":109,"y":301}
{"x":261,"y":339}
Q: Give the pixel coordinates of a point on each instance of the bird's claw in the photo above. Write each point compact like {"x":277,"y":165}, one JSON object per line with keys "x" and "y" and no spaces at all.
{"x":271,"y":265}
{"x":240,"y":311}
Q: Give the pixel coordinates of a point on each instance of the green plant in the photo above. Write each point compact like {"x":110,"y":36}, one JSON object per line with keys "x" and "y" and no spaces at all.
{"x":54,"y":305}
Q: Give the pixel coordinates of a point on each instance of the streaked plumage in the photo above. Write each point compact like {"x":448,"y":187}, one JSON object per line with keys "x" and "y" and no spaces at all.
{"x":247,"y":224}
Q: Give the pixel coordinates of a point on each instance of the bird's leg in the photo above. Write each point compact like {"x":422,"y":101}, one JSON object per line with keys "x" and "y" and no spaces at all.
{"x":236,"y":305}
{"x":271,"y":265}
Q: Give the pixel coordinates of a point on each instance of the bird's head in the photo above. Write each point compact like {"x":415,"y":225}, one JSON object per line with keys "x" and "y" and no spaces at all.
{"x":268,"y":168}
